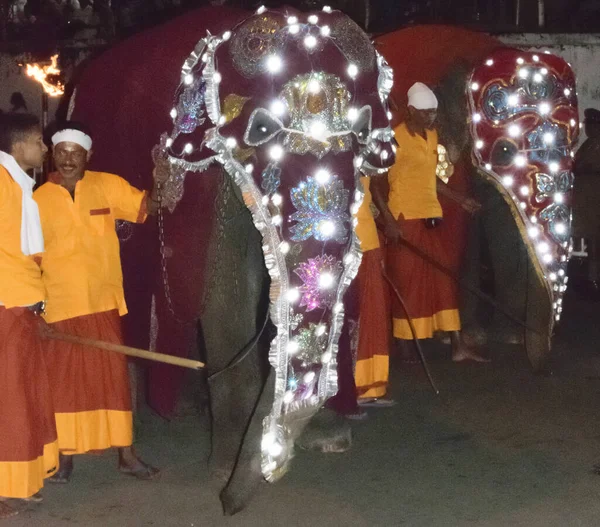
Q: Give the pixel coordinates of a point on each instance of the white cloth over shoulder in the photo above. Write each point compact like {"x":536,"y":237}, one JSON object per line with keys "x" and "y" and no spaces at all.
{"x":32,"y":237}
{"x":421,"y":97}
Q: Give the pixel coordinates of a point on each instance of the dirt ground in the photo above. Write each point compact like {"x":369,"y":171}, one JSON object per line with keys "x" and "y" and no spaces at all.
{"x":498,"y":447}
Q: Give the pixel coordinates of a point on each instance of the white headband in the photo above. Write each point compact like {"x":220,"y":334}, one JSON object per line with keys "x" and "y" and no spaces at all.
{"x":73,"y":136}
{"x":421,"y":97}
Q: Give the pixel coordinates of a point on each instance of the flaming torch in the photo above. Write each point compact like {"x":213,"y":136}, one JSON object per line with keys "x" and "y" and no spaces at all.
{"x":48,"y":75}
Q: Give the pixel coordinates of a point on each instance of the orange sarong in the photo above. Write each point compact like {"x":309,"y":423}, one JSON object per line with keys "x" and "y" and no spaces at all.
{"x":372,"y":361}
{"x":90,"y":387}
{"x":28,"y":446}
{"x":431,"y":297}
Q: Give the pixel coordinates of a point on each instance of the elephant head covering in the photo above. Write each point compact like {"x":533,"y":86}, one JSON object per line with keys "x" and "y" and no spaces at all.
{"x":524,"y":123}
{"x":294,"y":107}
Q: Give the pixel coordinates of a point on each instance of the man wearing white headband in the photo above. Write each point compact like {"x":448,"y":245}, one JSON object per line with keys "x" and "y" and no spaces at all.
{"x":84,"y":282}
{"x":28,"y":442}
{"x":413,"y":212}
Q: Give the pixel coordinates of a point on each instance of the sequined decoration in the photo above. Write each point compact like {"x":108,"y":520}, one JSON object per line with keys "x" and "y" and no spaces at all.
{"x":172,"y":189}
{"x":124,"y":230}
{"x":444,"y":168}
{"x":312,"y":343}
{"x":233,"y":106}
{"x":319,"y":276}
{"x":190,"y":112}
{"x":322,"y":211}
{"x":354,"y":43}
{"x":546,"y":151}
{"x":557,"y":214}
{"x":271,"y":178}
{"x":257,"y":38}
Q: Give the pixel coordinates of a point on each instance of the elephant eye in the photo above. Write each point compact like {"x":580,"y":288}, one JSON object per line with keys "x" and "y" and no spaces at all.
{"x":504,"y":153}
{"x":362,"y":124}
{"x":262,"y":127}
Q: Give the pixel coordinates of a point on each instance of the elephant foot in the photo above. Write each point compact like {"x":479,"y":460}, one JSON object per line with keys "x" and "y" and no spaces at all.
{"x":220,"y":471}
{"x":242,"y":486}
{"x":327,"y":432}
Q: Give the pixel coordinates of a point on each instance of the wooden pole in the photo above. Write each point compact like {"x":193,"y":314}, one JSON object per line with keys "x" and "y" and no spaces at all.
{"x":125,"y":350}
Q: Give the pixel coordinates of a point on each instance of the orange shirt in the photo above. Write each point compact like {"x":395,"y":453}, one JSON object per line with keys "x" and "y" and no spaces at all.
{"x":82,"y":263}
{"x":366,"y":229}
{"x":413,"y":181}
{"x":20,"y":278}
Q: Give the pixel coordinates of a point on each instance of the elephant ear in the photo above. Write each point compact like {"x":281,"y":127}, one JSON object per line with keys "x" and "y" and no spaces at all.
{"x":452,"y":113}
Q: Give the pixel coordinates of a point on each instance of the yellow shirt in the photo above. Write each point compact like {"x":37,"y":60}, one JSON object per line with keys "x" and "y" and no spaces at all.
{"x":366,"y":230}
{"x":82,"y":263}
{"x":413,"y":178}
{"x":20,"y":278}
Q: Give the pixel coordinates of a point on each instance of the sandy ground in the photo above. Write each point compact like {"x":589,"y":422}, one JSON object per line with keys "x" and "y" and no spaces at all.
{"x":498,"y":447}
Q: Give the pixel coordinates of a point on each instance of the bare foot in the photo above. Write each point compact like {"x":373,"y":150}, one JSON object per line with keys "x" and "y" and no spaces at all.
{"x":131,"y":465}
{"x":463,"y":354}
{"x":6,"y":511}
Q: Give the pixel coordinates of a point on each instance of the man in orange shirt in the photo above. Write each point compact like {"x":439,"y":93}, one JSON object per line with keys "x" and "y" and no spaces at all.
{"x":28,"y":444}
{"x":412,"y":211}
{"x":82,"y":274}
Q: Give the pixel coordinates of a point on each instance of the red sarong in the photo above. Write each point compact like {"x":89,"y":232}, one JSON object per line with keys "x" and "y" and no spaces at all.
{"x":431,"y":297}
{"x":90,"y":387}
{"x":28,"y":446}
{"x":372,"y":362}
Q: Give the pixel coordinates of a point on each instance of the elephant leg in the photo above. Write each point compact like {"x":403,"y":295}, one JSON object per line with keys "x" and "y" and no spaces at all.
{"x":539,"y":318}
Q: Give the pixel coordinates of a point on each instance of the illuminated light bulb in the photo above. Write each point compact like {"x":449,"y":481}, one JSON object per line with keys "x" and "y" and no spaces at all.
{"x":523,"y":73}
{"x":489,"y":62}
{"x":524,"y":191}
{"x":313,"y":19}
{"x":561,"y":272}
{"x":314,"y":86}
{"x":567,"y":92}
{"x":226,"y":35}
{"x":536,"y":58}
{"x":278,"y":108}
{"x":276,"y":152}
{"x":475,"y":86}
{"x":217,"y":77}
{"x":352,"y":71}
{"x":544,"y":71}
{"x":318,"y":129}
{"x":320,"y":331}
{"x":293,"y":295}
{"x":294,"y":29}
{"x":523,"y":205}
{"x":514,"y":130}
{"x":534,"y":232}
{"x":275,"y":450}
{"x":559,"y":198}
{"x":520,"y":61}
{"x":326,"y":357}
{"x":222,"y":120}
{"x":169,"y":142}
{"x":327,"y":228}
{"x":479,"y":144}
{"x":338,"y":308}
{"x":560,"y":228}
{"x":322,"y":176}
{"x":277,"y":199}
{"x":544,"y":108}
{"x":513,"y":100}
{"x":274,"y":63}
{"x":265,"y":200}
{"x":488,"y":166}
{"x":547,"y":52}
{"x":543,"y":247}
{"x":389,"y":115}
{"x":352,"y":114}
{"x":327,"y":9}
{"x":476,"y":117}
{"x":292,"y":347}
{"x":267,"y":440}
{"x":173,"y":113}
{"x":292,"y":20}
{"x":549,"y":138}
{"x":325,"y":31}
{"x":310,"y":41}
{"x":559,"y":301}
{"x":553,"y":277}
{"x":326,"y":280}
{"x":284,"y":247}
{"x":538,"y":77}
{"x":520,"y":161}
{"x":249,"y":168}
{"x":547,"y":258}
{"x":554,"y":167}
{"x":231,"y":142}
{"x":188,"y":79}
{"x":261,"y":10}
{"x":188,"y":148}
{"x":573,"y":123}
{"x":288,"y":397}
{"x":508,"y":181}
{"x":277,"y":220}
{"x":533,"y":219}
{"x":354,"y":209}
{"x":309,"y":377}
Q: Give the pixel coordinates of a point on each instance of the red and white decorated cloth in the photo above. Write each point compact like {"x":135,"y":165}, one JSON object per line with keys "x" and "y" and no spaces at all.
{"x":524,"y":123}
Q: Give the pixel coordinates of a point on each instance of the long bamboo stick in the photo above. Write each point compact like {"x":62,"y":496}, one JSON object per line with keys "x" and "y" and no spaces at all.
{"x":125,"y":350}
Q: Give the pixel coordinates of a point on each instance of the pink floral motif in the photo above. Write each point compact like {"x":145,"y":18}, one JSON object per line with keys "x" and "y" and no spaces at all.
{"x":320,"y":276}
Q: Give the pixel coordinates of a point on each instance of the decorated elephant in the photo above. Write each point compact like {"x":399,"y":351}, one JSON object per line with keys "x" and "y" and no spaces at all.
{"x":265,"y":131}
{"x":510,"y":121}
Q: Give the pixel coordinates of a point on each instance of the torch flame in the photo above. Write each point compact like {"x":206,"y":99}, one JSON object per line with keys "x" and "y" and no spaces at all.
{"x":40,"y":74}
